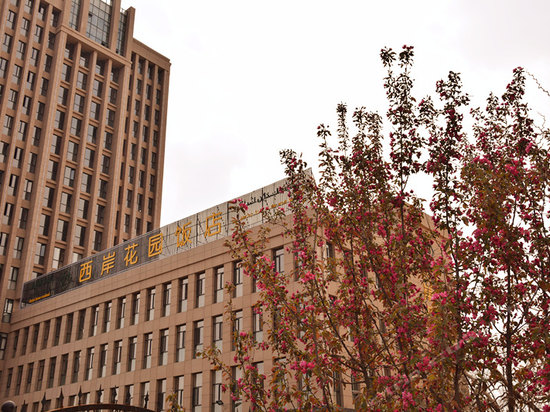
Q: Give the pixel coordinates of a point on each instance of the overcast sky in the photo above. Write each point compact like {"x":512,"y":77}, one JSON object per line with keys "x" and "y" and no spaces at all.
{"x":250,"y":78}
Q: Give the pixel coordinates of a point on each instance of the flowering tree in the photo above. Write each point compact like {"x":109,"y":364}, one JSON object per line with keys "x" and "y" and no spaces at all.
{"x":412,"y":312}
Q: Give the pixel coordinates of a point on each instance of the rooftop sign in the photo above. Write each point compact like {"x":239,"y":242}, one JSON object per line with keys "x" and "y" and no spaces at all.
{"x":199,"y":229}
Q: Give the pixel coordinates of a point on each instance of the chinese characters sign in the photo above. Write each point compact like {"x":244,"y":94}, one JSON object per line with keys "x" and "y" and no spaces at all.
{"x":199,"y":229}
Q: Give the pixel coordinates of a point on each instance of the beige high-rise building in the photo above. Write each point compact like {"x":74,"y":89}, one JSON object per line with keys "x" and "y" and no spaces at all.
{"x":83,"y":119}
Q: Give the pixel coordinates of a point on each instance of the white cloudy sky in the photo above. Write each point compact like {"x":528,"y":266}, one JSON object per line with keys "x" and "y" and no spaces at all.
{"x":250,"y":78}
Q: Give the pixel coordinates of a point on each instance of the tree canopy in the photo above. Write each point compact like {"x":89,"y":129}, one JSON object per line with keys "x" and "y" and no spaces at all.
{"x":439,"y":309}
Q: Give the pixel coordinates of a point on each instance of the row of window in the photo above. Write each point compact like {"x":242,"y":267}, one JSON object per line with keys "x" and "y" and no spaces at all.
{"x":128,"y":395}
{"x":150,"y":306}
{"x":80,"y":365}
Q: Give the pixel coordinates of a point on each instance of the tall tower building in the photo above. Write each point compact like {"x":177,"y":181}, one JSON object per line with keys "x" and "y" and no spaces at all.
{"x":82,"y":120}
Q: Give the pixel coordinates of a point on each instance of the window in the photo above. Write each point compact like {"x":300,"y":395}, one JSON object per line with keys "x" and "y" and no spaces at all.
{"x":8,"y":125}
{"x":69,"y":328}
{"x":86,"y":183}
{"x":27,"y":193}
{"x":114,"y":395}
{"x":89,"y":155}
{"x":58,"y":257}
{"x":80,"y":235}
{"x":43,"y":92}
{"x":236,"y":402}
{"x":121,"y":313}
{"x":56,"y":144}
{"x":3,"y":67}
{"x":237,"y":280}
{"x":72,"y":151}
{"x":132,"y":348}
{"x":40,"y":254}
{"x":217,"y":402}
{"x":102,"y":192}
{"x":78,"y":105}
{"x":200,"y":283}
{"x":98,"y":238}
{"x":8,"y":212}
{"x":108,"y":140}
{"x":76,"y":126}
{"x":196,"y":398}
{"x":22,"y":130}
{"x":62,"y":229}
{"x":59,"y":120}
{"x":68,"y":178}
{"x":51,"y":173}
{"x":180,"y":343}
{"x":20,"y":51}
{"x":88,"y":374}
{"x":18,"y":247}
{"x":147,"y":350}
{"x":105,"y":163}
{"x":237,"y":326}
{"x":97,"y":88}
{"x":178,"y":388}
{"x":32,"y":162}
{"x":166,"y":297}
{"x":150,"y":304}
{"x":81,"y":80}
{"x":3,"y":242}
{"x":135,"y":308}
{"x":13,"y":276}
{"x":129,"y":196}
{"x":128,"y":394}
{"x":257,"y":323}
{"x":51,"y":40}
{"x":161,"y":394}
{"x":57,"y":331}
{"x":23,"y":217}
{"x":38,"y":34}
{"x":54,"y":20}
{"x":110,"y":118}
{"x":163,"y":347}
{"x":12,"y":99}
{"x":95,"y":109}
{"x":11,"y":19}
{"x":92,"y":134}
{"x":6,"y":43}
{"x":8,"y":310}
{"x":117,"y":357}
{"x":51,"y":372}
{"x":81,"y":324}
{"x":198,"y":337}
{"x":107,"y":317}
{"x":82,"y":211}
{"x":278,"y":257}
{"x":66,"y":202}
{"x":35,"y":332}
{"x":26,"y":105}
{"x":4,"y":149}
{"x":76,"y":366}
{"x":218,"y":284}
{"x":94,"y":320}
{"x":25,"y":341}
{"x":40,"y":375}
{"x":36,"y":136}
{"x":16,"y":75}
{"x":217,"y":333}
{"x":30,"y":370}
{"x":102,"y":360}
{"x":112,"y":95}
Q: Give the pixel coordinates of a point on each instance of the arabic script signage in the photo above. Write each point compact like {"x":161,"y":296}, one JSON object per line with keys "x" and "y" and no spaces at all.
{"x":204,"y":227}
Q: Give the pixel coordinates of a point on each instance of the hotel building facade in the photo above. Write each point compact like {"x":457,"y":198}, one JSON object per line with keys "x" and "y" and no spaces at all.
{"x":83,"y":119}
{"x":125,"y":325}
